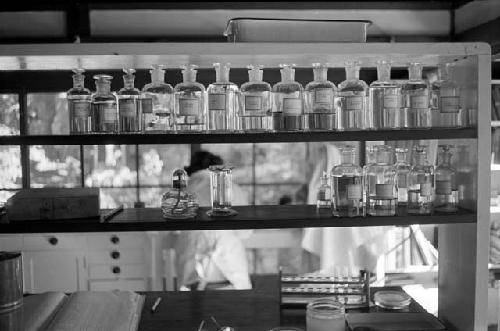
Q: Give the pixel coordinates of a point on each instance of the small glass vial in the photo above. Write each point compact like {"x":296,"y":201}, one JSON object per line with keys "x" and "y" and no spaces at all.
{"x":129,"y":109}
{"x":445,"y":99}
{"x":222,"y":100}
{"x":446,"y":195}
{"x":371,"y":160}
{"x":320,"y":96}
{"x":104,"y":106}
{"x":347,"y":184}
{"x":402,"y":175}
{"x":288,"y":112}
{"x":324,"y":196}
{"x":353,"y":94}
{"x":385,"y":98}
{"x":421,"y":188}
{"x":255,"y":113}
{"x":157,"y":102}
{"x":325,"y":315}
{"x":178,"y":203}
{"x":381,"y":184}
{"x":79,"y":104}
{"x":221,"y":183}
{"x":190,"y":100}
{"x":416,"y":112}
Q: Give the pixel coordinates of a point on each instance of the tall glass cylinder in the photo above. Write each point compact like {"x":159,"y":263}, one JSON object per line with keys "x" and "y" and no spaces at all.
{"x":403,"y":175}
{"x":381,"y":180}
{"x":221,"y":182}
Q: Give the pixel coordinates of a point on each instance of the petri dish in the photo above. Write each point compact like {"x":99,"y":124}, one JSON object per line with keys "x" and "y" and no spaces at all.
{"x":392,"y":299}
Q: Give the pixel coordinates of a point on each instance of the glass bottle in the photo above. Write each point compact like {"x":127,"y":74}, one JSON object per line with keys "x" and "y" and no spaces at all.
{"x":403,"y":175}
{"x":381,"y":184}
{"x":347,"y":184}
{"x":222,"y":100}
{"x":190,"y":110}
{"x":288,"y":112}
{"x":159,"y":116}
{"x":445,"y":99}
{"x":255,"y":112}
{"x":421,"y":188}
{"x":370,"y":161}
{"x":353,"y":94}
{"x":416,"y":112}
{"x":385,"y":98}
{"x":104,"y":106}
{"x":320,"y":94}
{"x":79,"y":104}
{"x":129,"y":109}
{"x":325,"y":314}
{"x":324,"y":196}
{"x":446,"y":195}
{"x":178,"y":203}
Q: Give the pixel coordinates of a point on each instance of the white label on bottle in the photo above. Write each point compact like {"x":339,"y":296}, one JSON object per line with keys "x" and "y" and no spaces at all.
{"x":188,"y":106}
{"x":147,"y":105}
{"x":81,"y":109}
{"x":419,"y":101}
{"x":253,"y":103}
{"x":354,"y":103}
{"x":384,"y":191}
{"x":109,"y":111}
{"x":392,"y":101}
{"x":450,"y":104}
{"x":127,"y":107}
{"x":443,"y":187}
{"x":425,"y":189}
{"x":323,"y":95}
{"x":216,"y":101}
{"x":354,"y":191}
{"x":292,"y":106}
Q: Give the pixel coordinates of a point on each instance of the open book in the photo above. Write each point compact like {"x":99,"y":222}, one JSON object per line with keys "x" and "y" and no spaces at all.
{"x":99,"y":311}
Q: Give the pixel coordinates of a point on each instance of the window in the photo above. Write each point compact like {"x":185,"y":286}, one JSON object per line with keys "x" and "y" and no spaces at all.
{"x":9,"y":114}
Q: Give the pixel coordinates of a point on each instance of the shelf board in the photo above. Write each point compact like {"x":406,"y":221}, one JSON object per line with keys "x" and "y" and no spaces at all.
{"x":226,"y":138}
{"x":249,"y":217}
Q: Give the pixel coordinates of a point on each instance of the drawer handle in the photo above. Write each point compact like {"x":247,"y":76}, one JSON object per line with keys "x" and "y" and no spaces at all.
{"x":115,"y":240}
{"x":116,"y":270}
{"x":115,"y":255}
{"x":53,"y":241}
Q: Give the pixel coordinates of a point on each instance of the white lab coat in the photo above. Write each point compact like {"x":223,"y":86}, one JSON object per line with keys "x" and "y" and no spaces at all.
{"x":212,"y":256}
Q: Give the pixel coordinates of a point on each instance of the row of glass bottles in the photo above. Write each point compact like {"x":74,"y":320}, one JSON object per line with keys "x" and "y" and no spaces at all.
{"x":382,"y":185}
{"x":287,"y":106}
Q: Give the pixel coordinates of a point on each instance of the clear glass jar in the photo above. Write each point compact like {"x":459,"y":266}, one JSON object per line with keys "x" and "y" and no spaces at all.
{"x":403,"y":175}
{"x":325,"y":315}
{"x":79,"y":104}
{"x":288,"y":111}
{"x":158,"y":115}
{"x":445,"y":99}
{"x":416,"y":111}
{"x":222,"y":100}
{"x":221,"y":183}
{"x":385,"y":98}
{"x":190,"y":102}
{"x":421,"y":188}
{"x":104,"y":106}
{"x":320,"y":96}
{"x":353,"y":94}
{"x":178,"y":203}
{"x":381,"y":184}
{"x":255,"y":113}
{"x":129,"y":108}
{"x":446,"y":194}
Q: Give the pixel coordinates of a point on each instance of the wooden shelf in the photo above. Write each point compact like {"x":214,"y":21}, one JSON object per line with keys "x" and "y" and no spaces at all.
{"x":249,"y":217}
{"x":226,"y":138}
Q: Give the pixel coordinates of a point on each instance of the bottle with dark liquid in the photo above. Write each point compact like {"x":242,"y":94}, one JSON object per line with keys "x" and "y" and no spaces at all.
{"x":79,"y":104}
{"x":288,"y":112}
{"x":104,"y":106}
{"x":320,"y":96}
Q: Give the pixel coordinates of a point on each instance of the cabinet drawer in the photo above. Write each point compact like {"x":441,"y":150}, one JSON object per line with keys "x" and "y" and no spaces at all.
{"x":117,"y":271}
{"x":118,"y":255}
{"x":11,"y":242}
{"x":122,"y":285}
{"x":110,"y":240}
{"x":54,"y":241}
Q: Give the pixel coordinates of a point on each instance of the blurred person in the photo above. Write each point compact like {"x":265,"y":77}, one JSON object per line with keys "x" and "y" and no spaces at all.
{"x":211,"y":258}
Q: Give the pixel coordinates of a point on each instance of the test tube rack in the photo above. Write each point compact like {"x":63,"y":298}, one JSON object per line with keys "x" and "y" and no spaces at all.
{"x":297,"y":291}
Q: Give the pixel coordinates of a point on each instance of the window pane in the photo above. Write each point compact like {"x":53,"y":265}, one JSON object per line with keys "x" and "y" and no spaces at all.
{"x":5,"y":195}
{"x":112,"y":197}
{"x":272,"y":194}
{"x":55,"y":166}
{"x":157,"y":162}
{"x":10,"y":167}
{"x":280,"y":163}
{"x":47,"y":113}
{"x":9,"y":114}
{"x":237,"y":155}
{"x":110,"y":165}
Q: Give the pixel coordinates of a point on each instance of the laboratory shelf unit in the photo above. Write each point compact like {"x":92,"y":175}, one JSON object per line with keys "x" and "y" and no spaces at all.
{"x":463,"y":237}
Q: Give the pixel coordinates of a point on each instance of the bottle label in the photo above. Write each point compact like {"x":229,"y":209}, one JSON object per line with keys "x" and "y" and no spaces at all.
{"x":443,"y":187}
{"x":147,"y":105}
{"x":421,"y":179}
{"x":253,"y":103}
{"x":188,"y":106}
{"x":322,"y":195}
{"x":450,"y":104}
{"x":109,"y":113}
{"x":216,"y":101}
{"x":323,"y":96}
{"x":425,"y":189}
{"x":81,"y":109}
{"x":292,"y":106}
{"x":392,"y":101}
{"x":384,"y":191}
{"x":402,"y":182}
{"x":354,"y":103}
{"x":419,"y":101}
{"x":353,"y":191}
{"x":127,"y":107}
